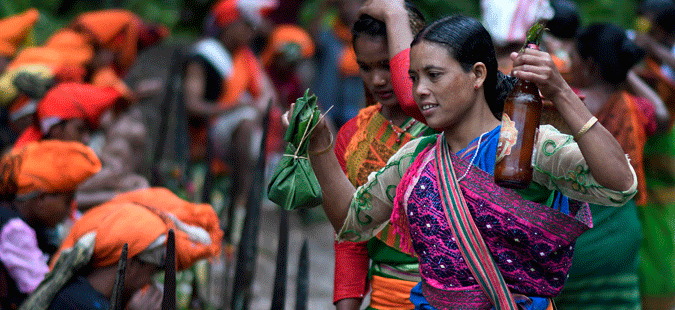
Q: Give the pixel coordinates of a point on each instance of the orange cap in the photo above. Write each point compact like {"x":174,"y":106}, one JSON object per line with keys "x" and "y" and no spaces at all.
{"x":116,"y":30}
{"x":140,"y":218}
{"x":14,"y":30}
{"x":283,"y":35}
{"x":48,"y":166}
{"x":75,"y":47}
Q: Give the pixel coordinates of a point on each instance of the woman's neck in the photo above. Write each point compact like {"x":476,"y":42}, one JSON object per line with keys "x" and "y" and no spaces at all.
{"x":394,"y":114}
{"x":597,"y":96}
{"x":103,"y":280}
{"x":23,"y":208}
{"x":475,"y":123}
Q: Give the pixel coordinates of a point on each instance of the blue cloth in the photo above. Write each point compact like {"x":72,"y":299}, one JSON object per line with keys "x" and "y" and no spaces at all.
{"x":485,"y":160}
{"x":78,"y":294}
{"x":344,"y":93}
{"x":485,"y":154}
{"x":417,"y":299}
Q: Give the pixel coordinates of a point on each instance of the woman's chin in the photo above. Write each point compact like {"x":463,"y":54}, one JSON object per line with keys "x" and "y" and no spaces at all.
{"x":438,"y":126}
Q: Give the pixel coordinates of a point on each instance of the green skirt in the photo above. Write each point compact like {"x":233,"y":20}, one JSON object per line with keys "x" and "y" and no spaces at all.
{"x":657,"y":254}
{"x":604,"y":268}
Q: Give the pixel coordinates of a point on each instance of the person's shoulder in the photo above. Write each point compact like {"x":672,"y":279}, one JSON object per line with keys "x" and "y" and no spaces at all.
{"x":417,"y":145}
{"x":350,"y":125}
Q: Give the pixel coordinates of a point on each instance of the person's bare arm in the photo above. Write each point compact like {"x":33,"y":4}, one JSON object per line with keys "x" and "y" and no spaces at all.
{"x":194,"y":87}
{"x":336,"y":188}
{"x":348,"y":304}
{"x":268,"y":93}
{"x":643,"y":90}
{"x":395,"y":16}
{"x":656,"y":49}
{"x":603,"y":154}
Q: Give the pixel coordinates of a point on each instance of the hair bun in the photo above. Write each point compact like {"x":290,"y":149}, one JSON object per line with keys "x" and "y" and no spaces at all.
{"x":611,"y":50}
{"x":505,"y":84}
{"x":630,"y":54}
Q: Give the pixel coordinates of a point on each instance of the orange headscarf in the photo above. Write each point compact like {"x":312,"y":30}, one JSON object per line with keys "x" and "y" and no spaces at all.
{"x":347,"y":62}
{"x":245,"y":76}
{"x":45,"y":56}
{"x":285,"y":34}
{"x":64,"y":64}
{"x":68,"y":101}
{"x":74,"y":47}
{"x":116,"y":30}
{"x":228,"y":11}
{"x":141,"y":217}
{"x":621,"y":117}
{"x":48,"y":166}
{"x":107,"y":77}
{"x":14,"y":30}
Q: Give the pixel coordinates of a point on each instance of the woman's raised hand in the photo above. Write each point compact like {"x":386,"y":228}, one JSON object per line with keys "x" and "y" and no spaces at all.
{"x":538,"y":67}
{"x":320,"y":137}
{"x":380,"y":8}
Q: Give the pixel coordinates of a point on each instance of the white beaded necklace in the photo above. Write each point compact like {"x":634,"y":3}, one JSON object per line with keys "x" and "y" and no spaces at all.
{"x":472,"y":157}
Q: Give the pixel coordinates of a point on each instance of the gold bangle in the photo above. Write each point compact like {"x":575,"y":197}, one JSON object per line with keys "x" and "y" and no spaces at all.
{"x":328,"y":148}
{"x":586,"y":127}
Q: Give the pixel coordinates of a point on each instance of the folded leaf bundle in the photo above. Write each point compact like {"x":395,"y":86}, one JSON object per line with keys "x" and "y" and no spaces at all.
{"x":294,"y":184}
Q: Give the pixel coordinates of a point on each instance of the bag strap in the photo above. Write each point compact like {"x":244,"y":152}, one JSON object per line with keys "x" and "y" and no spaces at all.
{"x":469,"y":240}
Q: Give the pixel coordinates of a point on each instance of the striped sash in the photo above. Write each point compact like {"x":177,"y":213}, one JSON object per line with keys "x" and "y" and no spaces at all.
{"x":468,"y":238}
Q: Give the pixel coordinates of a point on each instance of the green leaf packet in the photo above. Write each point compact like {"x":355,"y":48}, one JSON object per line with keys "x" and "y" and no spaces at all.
{"x":294,"y":184}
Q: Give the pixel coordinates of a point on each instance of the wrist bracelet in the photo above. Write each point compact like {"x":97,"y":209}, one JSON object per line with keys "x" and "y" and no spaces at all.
{"x":328,"y":148}
{"x":586,"y":127}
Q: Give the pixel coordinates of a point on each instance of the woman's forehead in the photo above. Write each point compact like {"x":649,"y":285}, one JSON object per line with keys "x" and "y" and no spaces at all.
{"x":425,"y":54}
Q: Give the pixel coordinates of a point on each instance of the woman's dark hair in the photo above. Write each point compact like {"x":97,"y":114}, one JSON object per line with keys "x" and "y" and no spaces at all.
{"x":566,"y":21}
{"x":610,"y":49}
{"x":367,"y":25}
{"x":468,"y":43}
{"x":9,"y":168}
{"x":653,"y":7}
{"x":665,"y":19}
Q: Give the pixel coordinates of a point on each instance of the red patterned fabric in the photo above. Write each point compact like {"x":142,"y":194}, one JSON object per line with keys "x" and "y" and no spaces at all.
{"x":351,"y":270}
{"x":70,"y":101}
{"x":403,"y":85}
{"x":351,"y":258}
{"x":345,"y":135}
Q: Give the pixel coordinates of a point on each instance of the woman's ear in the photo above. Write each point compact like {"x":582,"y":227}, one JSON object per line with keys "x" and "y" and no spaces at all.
{"x":480,"y":73}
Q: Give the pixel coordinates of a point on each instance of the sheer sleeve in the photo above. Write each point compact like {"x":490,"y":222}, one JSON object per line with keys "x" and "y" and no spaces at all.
{"x":373,"y":202}
{"x":559,"y":165}
{"x":21,"y":256}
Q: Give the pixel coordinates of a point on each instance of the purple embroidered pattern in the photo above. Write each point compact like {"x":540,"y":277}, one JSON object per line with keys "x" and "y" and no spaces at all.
{"x":531,"y":243}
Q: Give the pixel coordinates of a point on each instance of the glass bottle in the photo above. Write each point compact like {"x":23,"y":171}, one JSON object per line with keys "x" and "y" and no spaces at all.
{"x":520,"y":121}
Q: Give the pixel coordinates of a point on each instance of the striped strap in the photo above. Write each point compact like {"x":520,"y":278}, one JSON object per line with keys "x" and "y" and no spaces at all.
{"x":469,"y":240}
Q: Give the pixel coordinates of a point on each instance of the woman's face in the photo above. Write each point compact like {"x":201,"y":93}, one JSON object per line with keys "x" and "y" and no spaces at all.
{"x":237,"y":34}
{"x":443,"y":91}
{"x":70,"y":130}
{"x":52,"y":208}
{"x":579,"y":75}
{"x":372,"y":55}
{"x":139,"y":274}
